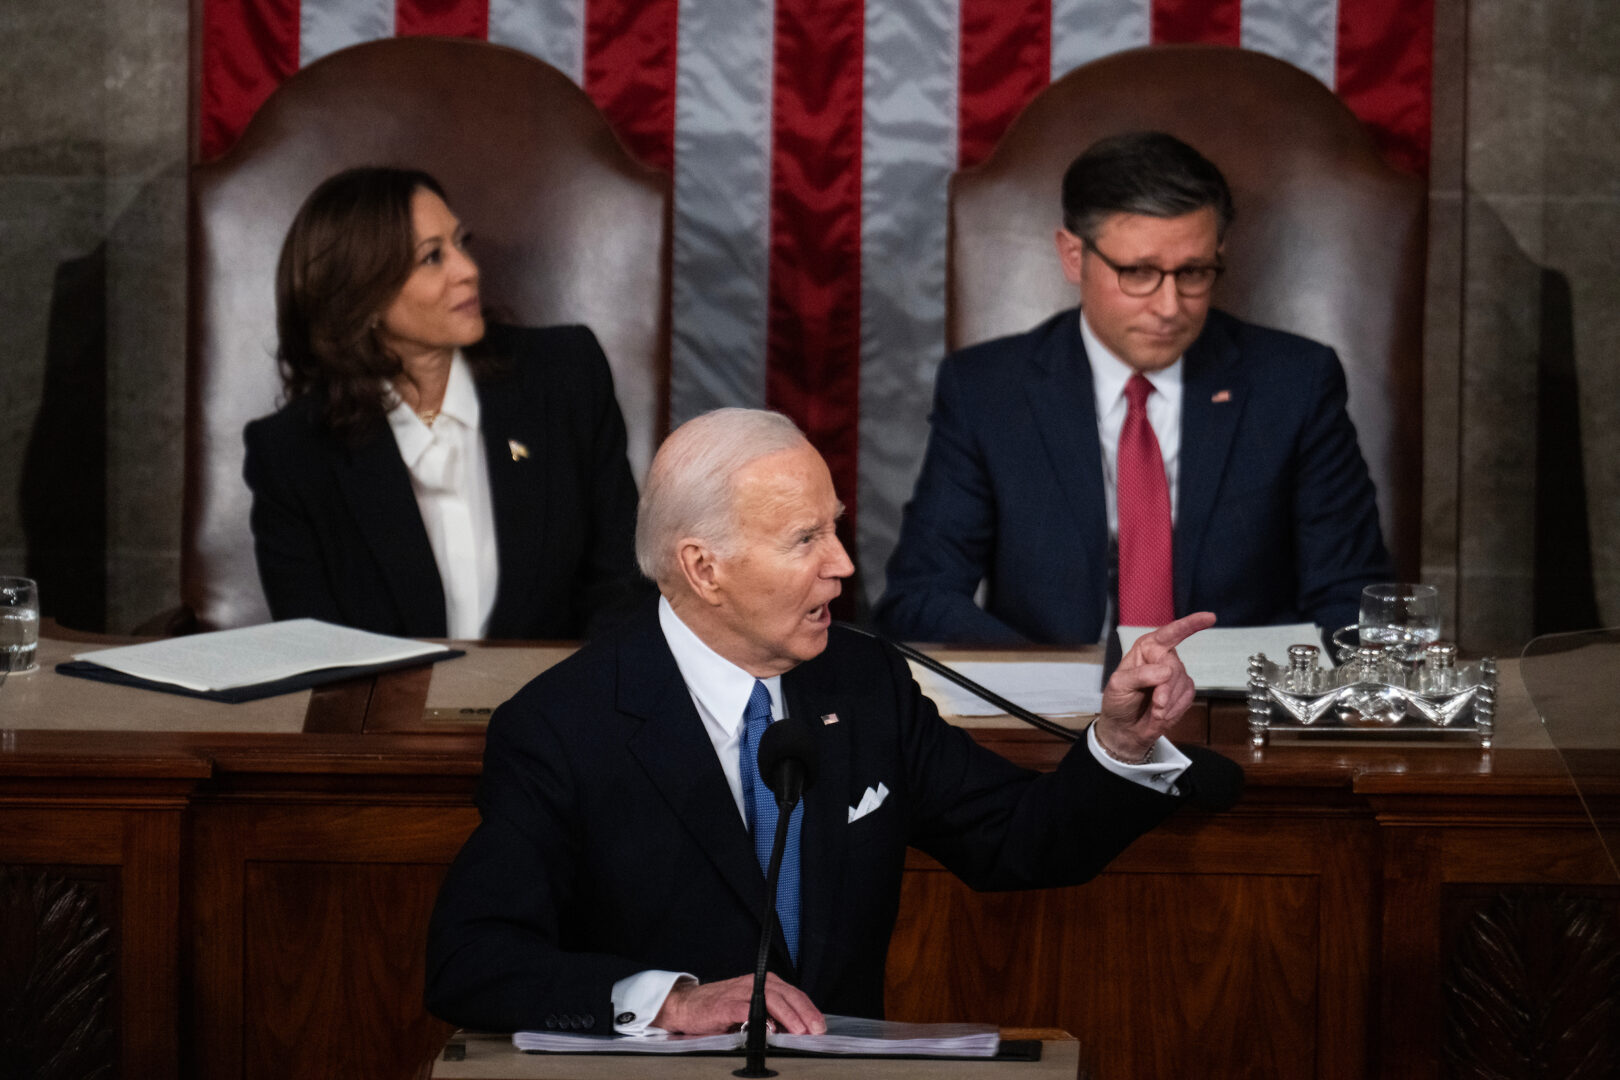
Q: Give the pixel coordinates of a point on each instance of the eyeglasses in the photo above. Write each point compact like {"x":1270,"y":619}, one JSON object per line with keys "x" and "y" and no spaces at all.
{"x":1145,"y":280}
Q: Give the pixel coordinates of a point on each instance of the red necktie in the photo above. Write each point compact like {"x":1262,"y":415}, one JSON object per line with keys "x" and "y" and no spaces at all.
{"x":1145,"y":581}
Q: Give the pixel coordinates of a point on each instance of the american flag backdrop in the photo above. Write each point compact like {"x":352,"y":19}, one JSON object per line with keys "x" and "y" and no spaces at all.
{"x":810,"y":143}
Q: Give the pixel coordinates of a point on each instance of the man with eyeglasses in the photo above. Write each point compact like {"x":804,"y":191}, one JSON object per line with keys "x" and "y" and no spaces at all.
{"x":1143,"y":456}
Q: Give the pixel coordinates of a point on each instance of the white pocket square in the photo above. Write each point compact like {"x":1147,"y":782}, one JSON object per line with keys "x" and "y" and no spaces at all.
{"x":869,"y":802}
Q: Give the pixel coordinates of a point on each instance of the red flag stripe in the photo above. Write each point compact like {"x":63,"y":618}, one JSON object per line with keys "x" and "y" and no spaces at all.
{"x":813,"y":357}
{"x":247,"y":50}
{"x":630,"y":55}
{"x":1385,"y":69}
{"x":1006,"y":59}
{"x":441,"y":18}
{"x":1210,"y":22}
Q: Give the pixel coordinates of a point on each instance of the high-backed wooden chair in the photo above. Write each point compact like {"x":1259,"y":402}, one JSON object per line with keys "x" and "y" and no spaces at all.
{"x":570,"y":230}
{"x":1328,"y":241}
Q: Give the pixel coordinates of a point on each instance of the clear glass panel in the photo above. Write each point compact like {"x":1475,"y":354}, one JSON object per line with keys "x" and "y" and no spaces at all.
{"x":1574,"y":684}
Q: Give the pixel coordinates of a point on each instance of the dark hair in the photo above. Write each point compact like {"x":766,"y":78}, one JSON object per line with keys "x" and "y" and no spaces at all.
{"x":1142,"y":172}
{"x":349,"y":252}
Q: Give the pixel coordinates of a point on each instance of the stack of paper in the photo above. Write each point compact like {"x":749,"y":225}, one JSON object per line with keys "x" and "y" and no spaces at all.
{"x":253,"y":656}
{"x":1048,"y":687}
{"x":845,"y":1035}
{"x":1218,"y":658}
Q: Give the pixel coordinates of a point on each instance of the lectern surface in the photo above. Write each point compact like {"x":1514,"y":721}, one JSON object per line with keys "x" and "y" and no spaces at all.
{"x":492,"y":1057}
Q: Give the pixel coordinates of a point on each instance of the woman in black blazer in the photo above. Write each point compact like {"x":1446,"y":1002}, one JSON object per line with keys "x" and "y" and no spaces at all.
{"x":428,"y":478}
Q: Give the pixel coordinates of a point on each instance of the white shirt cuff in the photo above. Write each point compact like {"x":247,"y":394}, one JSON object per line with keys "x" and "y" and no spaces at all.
{"x":1164,"y":765}
{"x":637,"y":999}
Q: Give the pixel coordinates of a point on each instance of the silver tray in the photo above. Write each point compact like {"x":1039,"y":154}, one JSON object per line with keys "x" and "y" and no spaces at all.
{"x":1353,"y":700}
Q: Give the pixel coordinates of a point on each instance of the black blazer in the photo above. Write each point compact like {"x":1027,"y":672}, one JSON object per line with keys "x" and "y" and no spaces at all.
{"x":1276,"y":518}
{"x":338,"y":535}
{"x":610,"y":843}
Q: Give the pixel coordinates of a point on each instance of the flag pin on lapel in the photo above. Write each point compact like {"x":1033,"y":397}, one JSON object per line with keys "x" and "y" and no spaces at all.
{"x":1221,"y":397}
{"x":519,"y":451}
{"x":830,"y":718}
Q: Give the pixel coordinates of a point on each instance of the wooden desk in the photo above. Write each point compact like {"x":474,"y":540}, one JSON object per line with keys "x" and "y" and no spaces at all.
{"x":220,"y":894}
{"x":491,"y":1057}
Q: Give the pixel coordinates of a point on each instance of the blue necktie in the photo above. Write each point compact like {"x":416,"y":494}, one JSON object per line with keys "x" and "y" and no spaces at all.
{"x":762,"y":816}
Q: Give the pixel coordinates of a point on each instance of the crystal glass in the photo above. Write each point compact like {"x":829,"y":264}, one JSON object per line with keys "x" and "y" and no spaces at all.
{"x":19,"y":624}
{"x":1405,"y":618}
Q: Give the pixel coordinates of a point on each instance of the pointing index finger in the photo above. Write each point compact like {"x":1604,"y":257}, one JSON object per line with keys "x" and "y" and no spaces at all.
{"x":1172,"y":634}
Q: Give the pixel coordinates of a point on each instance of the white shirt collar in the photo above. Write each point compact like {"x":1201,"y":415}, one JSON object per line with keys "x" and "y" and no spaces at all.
{"x":1109,"y":373}
{"x":460,"y":405}
{"x":719,"y":686}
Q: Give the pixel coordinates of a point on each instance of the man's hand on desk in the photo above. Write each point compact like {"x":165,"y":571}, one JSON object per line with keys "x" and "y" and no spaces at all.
{"x":711,"y":1008}
{"x":1149,"y":690}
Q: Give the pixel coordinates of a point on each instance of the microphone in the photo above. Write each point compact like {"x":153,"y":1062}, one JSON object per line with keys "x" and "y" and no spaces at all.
{"x":1212,"y":782}
{"x":788,"y":761}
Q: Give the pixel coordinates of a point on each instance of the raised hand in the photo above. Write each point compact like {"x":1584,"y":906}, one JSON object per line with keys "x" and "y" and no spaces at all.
{"x":1149,"y":691}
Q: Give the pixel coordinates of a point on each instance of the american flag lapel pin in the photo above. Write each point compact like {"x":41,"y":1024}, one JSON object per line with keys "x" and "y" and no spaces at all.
{"x":1221,"y":397}
{"x":830,"y":718}
{"x":519,"y":451}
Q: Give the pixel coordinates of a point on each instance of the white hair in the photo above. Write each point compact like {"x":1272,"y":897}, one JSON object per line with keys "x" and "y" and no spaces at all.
{"x":690,"y":488}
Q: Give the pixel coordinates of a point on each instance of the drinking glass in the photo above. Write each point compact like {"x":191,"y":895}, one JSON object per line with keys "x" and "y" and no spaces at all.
{"x":1406,"y":618}
{"x":19,"y":624}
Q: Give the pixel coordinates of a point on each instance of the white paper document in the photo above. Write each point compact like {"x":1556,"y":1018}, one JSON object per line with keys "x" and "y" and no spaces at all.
{"x":845,"y":1035}
{"x":1218,"y":658}
{"x":1047,"y":687}
{"x":226,"y":659}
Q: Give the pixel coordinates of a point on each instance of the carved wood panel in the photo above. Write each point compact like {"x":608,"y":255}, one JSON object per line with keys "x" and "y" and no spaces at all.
{"x":57,"y":958}
{"x":1532,"y":984}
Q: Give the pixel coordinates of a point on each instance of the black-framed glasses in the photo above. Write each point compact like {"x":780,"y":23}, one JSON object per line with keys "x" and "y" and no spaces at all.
{"x":1142,"y":280}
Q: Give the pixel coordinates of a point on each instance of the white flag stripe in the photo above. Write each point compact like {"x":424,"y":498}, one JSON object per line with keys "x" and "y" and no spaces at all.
{"x":908,"y":150}
{"x":1303,"y":32}
{"x":721,"y":242}
{"x":553,"y":30}
{"x":1084,"y":30}
{"x":330,"y":25}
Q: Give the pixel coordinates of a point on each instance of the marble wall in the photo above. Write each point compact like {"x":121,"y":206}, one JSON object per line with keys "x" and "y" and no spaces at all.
{"x":1522,"y":437}
{"x":93,"y":140}
{"x":1522,"y":409}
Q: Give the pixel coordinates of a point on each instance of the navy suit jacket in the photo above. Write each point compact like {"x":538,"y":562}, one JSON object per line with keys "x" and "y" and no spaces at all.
{"x":1276,"y":519}
{"x":610,"y":842}
{"x":339,"y":537}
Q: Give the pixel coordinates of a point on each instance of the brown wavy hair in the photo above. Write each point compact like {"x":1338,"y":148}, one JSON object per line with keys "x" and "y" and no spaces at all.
{"x":348,"y":254}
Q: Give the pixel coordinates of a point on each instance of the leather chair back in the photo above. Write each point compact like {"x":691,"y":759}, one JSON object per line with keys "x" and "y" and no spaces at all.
{"x":1329,"y":239}
{"x":569,"y":229}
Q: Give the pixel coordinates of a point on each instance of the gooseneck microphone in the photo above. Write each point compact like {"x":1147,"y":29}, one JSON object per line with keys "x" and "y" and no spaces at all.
{"x":1212,"y":782}
{"x":788,"y":759}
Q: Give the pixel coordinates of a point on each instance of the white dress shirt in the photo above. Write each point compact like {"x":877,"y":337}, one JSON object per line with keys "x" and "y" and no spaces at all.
{"x":720,"y":691}
{"x":450,"y":478}
{"x":1109,"y":374}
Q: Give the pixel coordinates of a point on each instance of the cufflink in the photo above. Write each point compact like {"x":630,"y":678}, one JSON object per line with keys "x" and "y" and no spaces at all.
{"x":625,"y":1018}
{"x":519,"y":451}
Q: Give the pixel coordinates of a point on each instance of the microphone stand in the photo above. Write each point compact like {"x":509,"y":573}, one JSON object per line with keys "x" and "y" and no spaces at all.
{"x":755,"y":1046}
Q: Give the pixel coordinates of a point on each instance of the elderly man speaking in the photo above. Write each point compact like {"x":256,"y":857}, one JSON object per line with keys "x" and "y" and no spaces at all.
{"x":613,"y":885}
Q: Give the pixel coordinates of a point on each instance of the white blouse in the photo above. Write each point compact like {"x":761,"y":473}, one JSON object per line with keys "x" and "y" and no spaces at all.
{"x":450,"y":478}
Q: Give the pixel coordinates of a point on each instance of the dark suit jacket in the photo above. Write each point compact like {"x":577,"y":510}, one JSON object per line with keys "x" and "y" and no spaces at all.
{"x":338,"y":535}
{"x":1275,"y":515}
{"x":610,"y":842}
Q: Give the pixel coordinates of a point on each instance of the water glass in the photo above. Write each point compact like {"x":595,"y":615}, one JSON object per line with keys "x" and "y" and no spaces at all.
{"x":19,"y":624}
{"x":1406,"y":618}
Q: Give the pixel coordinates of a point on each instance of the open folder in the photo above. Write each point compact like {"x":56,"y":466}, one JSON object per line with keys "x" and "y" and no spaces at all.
{"x":846,"y":1035}
{"x":254,"y":661}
